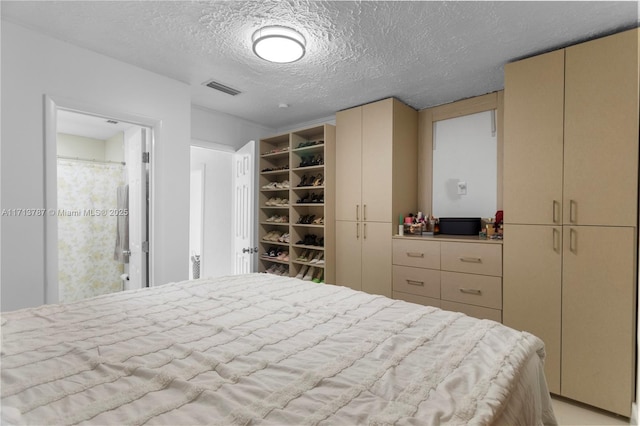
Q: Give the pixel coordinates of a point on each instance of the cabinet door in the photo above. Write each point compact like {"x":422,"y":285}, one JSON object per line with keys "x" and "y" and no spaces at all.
{"x":349,"y":254}
{"x":533,"y":132}
{"x":532,"y":287}
{"x":349,"y":164}
{"x":377,"y":151}
{"x":601,"y":131}
{"x":376,"y":258}
{"x":598,"y":350}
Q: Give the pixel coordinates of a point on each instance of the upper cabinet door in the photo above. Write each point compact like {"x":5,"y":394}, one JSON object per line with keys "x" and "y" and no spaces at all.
{"x":349,"y":164}
{"x":377,"y":161}
{"x":533,"y":145}
{"x":601,"y":131}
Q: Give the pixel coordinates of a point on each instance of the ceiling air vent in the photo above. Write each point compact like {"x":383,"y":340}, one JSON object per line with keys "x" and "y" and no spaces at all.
{"x":221,"y":87}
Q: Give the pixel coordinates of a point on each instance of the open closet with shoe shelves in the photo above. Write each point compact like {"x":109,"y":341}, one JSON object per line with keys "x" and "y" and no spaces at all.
{"x":296,"y":199}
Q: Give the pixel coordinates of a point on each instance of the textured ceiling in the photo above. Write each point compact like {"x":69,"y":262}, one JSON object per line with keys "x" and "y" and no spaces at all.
{"x":424,"y":52}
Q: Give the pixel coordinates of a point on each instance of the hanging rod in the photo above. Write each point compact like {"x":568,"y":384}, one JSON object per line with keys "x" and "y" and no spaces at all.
{"x":93,"y":160}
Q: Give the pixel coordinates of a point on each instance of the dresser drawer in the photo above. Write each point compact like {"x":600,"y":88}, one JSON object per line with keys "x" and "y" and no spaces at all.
{"x":422,"y":282}
{"x":479,"y":290}
{"x":420,"y":254}
{"x":473,"y":311}
{"x":483,"y":259}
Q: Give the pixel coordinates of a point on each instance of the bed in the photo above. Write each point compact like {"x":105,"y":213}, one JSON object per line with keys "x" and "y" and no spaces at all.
{"x":269,"y":350}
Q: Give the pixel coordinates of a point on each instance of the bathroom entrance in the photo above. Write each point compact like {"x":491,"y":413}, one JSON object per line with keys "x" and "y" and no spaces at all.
{"x":102,"y":175}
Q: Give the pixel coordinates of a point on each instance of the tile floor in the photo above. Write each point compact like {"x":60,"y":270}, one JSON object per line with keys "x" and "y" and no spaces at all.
{"x":571,"y":413}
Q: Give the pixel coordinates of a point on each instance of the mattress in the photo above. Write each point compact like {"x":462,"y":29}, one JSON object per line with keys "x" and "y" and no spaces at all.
{"x":265,"y":350}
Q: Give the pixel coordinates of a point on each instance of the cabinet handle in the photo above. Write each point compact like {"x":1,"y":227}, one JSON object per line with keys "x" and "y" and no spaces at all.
{"x":471,"y":291}
{"x":556,"y":240}
{"x":573,"y":241}
{"x":364,"y":232}
{"x":556,"y":211}
{"x":357,"y":211}
{"x":470,"y":259}
{"x":416,"y":283}
{"x":364,"y":212}
{"x":573,"y":210}
{"x":357,"y":231}
{"x":414,"y":254}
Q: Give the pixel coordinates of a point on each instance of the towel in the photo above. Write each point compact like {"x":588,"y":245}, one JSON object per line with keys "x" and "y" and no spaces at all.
{"x":122,"y":227}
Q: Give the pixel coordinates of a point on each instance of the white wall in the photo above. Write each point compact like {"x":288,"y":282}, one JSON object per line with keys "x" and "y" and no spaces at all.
{"x":35,"y":65}
{"x":220,"y":128}
{"x":81,"y":147}
{"x":465,"y":153}
{"x":217,"y":253}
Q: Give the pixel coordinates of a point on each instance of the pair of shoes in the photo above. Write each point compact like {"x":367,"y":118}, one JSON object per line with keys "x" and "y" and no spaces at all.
{"x":276,"y":150}
{"x":311,"y":240}
{"x":318,"y":277}
{"x":278,"y":270}
{"x":307,"y":143}
{"x":306,"y":219}
{"x":278,"y":219}
{"x":272,"y":236}
{"x":277,"y":202}
{"x":306,"y":181}
{"x":318,"y":221}
{"x":304,"y":256}
{"x":275,"y":169}
{"x":284,"y":238}
{"x":318,"y":181}
{"x":314,"y":160}
{"x":311,"y":273}
{"x":277,"y":185}
{"x":270,"y":253}
{"x":318,"y":259}
{"x":283,"y":255}
{"x":311,"y":256}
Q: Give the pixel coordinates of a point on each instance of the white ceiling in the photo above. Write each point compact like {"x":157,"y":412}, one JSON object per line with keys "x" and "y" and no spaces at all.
{"x":425,"y":53}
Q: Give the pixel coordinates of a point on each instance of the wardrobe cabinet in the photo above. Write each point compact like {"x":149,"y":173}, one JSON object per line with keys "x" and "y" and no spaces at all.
{"x":376,"y":166}
{"x":570,"y":201}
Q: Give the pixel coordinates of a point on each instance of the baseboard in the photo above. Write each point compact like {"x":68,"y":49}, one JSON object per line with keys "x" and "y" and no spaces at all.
{"x":634,"y":414}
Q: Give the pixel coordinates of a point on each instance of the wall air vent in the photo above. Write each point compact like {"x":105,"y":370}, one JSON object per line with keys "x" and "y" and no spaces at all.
{"x":112,"y":122}
{"x":221,"y":87}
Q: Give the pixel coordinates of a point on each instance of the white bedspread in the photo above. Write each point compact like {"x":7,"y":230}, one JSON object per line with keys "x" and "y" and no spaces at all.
{"x":263,"y":349}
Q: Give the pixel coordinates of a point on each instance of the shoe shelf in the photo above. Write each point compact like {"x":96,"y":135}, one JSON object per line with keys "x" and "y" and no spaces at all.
{"x":296,"y":182}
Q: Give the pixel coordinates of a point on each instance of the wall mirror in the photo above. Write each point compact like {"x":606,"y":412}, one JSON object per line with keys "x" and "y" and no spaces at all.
{"x":461,"y":158}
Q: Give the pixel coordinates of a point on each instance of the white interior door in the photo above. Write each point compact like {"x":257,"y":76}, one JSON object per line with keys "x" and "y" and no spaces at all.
{"x":244,"y":245}
{"x":135,"y":140}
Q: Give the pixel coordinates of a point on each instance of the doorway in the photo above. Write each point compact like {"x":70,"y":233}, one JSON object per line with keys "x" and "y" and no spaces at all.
{"x":98,"y":191}
{"x":222,"y":225}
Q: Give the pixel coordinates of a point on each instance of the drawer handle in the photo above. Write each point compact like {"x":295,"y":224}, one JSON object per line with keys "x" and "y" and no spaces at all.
{"x":470,"y":291}
{"x":414,"y":254}
{"x":418,"y":283}
{"x":471,"y":259}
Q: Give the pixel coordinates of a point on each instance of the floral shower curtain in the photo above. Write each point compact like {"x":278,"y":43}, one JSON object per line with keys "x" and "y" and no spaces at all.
{"x":87,"y":229}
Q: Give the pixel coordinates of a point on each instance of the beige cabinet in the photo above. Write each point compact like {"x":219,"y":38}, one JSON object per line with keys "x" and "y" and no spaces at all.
{"x":532,"y":293}
{"x":376,"y":165}
{"x":598,"y":301}
{"x":570,"y":225}
{"x":456,"y":275}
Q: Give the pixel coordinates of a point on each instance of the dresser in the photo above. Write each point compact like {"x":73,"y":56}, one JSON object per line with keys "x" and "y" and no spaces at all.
{"x":453,"y":273}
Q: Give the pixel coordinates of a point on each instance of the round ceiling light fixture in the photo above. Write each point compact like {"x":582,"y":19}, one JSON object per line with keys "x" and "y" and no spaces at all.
{"x":278,"y":44}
